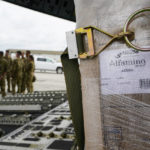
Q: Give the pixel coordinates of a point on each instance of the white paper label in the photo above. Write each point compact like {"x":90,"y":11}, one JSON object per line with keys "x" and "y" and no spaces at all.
{"x":124,"y":71}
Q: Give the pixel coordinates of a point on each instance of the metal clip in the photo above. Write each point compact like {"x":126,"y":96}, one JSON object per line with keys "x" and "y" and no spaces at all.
{"x":89,"y":33}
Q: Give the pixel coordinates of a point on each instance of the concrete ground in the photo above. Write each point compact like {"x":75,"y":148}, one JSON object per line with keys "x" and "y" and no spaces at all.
{"x":47,"y":81}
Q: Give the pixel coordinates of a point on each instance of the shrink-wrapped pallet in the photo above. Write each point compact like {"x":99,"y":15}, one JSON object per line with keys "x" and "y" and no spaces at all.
{"x":116,"y":84}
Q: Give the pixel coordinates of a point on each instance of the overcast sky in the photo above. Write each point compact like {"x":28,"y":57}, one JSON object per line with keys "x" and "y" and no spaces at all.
{"x":21,"y":28}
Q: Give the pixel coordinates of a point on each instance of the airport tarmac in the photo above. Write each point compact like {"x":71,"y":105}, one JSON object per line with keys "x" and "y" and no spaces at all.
{"x":48,"y":81}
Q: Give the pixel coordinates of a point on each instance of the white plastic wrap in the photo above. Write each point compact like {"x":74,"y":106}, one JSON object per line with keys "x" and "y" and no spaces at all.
{"x":126,"y":123}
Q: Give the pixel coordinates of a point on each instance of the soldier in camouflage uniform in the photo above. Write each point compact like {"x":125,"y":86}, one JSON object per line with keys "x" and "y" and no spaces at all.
{"x":3,"y":71}
{"x":25,"y":62}
{"x":23,"y":74}
{"x":17,"y":73}
{"x":30,"y":74}
{"x":8,"y":75}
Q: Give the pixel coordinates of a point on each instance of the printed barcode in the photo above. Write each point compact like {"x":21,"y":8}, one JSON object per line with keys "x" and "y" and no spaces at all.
{"x":144,"y":83}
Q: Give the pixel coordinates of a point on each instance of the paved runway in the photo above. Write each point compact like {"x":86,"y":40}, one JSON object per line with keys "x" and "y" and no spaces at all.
{"x":47,"y":81}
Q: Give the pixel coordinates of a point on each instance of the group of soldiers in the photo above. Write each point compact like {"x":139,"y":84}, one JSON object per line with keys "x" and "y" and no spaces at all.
{"x":18,"y":72}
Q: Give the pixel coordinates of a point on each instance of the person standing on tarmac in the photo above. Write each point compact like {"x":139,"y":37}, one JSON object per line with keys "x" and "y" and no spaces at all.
{"x":3,"y":71}
{"x":24,"y":81}
{"x":17,"y":73}
{"x":30,"y":74}
{"x":8,"y":75}
{"x":23,"y":74}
